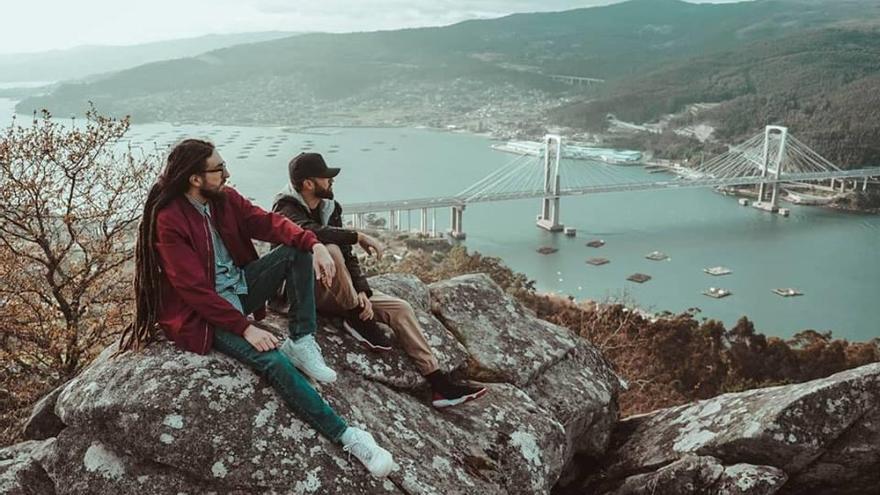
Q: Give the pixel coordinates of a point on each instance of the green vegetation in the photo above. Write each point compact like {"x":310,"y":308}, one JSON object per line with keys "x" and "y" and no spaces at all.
{"x":822,"y":84}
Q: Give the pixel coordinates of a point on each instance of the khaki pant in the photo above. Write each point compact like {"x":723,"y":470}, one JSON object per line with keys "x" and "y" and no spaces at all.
{"x":394,"y":312}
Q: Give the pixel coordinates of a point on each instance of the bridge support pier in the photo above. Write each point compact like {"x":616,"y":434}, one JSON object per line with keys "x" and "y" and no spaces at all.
{"x":393,"y":220}
{"x":549,"y":218}
{"x":423,"y":223}
{"x":457,"y":214}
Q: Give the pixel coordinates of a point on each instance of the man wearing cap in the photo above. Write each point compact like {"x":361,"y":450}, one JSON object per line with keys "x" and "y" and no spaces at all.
{"x":308,"y":201}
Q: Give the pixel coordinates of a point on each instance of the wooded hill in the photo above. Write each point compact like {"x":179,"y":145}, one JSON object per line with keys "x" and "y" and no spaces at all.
{"x":810,"y":64}
{"x":824,"y":85}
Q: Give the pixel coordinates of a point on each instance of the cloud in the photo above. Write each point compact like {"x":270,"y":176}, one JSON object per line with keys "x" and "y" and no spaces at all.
{"x":358,"y":15}
{"x":386,"y":14}
{"x":29,"y":27}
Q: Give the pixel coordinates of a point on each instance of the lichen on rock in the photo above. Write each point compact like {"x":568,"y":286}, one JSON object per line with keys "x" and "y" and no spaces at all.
{"x":167,"y":421}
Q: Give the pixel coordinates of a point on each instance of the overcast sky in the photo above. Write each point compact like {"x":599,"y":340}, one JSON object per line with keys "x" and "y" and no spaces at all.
{"x":39,"y":25}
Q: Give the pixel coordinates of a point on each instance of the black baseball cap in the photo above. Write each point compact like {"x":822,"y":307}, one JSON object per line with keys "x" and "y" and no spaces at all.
{"x":305,"y":165}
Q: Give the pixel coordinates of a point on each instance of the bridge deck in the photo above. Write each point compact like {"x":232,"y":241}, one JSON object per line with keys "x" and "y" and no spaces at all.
{"x":676,"y":183}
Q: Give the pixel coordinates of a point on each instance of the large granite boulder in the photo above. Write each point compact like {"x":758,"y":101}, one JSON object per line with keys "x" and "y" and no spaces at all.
{"x":817,"y":437}
{"x":563,"y":373}
{"x":167,"y":421}
{"x":83,"y":463}
{"x":505,"y":340}
{"x":698,"y":475}
{"x":849,"y":465}
{"x":21,"y":472}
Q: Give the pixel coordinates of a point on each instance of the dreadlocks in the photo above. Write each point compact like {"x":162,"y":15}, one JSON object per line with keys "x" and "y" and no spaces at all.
{"x":186,"y":159}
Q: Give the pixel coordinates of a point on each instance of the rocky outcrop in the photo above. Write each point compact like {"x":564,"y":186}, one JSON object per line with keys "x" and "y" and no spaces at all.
{"x":816,"y":437}
{"x":705,"y":474}
{"x":21,"y":472}
{"x":515,"y":352}
{"x":166,"y":421}
{"x":849,"y":465}
{"x":43,"y":423}
{"x":541,"y":357}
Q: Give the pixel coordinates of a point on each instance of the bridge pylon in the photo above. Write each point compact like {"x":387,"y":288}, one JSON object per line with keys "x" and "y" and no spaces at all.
{"x":777,"y":165}
{"x":549,"y":217}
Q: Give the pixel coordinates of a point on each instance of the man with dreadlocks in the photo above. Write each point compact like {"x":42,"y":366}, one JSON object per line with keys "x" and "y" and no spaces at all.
{"x":198,"y":276}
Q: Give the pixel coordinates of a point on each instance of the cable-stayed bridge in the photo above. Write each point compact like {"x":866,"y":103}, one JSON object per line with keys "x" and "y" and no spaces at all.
{"x":767,"y":161}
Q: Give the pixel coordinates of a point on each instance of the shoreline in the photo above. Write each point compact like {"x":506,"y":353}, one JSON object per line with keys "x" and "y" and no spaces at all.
{"x":312,"y":129}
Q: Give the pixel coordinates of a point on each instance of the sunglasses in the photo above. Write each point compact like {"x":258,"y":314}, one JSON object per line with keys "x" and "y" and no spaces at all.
{"x":221,"y":168}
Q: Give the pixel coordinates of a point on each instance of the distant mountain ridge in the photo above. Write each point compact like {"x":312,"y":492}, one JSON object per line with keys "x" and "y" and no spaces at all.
{"x":82,"y":61}
{"x":479,"y":71}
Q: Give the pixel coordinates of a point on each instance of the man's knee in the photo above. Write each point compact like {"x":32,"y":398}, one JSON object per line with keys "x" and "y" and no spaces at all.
{"x":287,"y":251}
{"x":295,"y":256}
{"x":400,"y":308}
{"x":407,"y":308}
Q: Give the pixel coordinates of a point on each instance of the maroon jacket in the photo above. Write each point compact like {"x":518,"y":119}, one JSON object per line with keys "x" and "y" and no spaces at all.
{"x":190,"y":308}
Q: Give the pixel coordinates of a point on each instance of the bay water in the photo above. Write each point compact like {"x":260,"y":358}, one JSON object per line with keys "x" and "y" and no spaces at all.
{"x":831,"y":256}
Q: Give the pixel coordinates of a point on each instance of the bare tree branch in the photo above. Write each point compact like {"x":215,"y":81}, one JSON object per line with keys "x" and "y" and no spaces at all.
{"x":69,"y":206}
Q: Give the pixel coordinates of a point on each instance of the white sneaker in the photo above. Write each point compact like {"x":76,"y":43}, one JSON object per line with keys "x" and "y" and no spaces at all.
{"x":377,"y":460}
{"x":306,"y":355}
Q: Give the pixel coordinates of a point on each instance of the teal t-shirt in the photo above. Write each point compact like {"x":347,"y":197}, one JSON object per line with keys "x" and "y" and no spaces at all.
{"x":230,"y":281}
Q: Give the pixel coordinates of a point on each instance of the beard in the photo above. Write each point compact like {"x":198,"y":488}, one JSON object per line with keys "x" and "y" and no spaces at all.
{"x":214,"y":194}
{"x":323,"y":192}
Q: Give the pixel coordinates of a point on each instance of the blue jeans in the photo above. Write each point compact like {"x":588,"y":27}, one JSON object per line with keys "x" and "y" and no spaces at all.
{"x":290,"y":266}
{"x":264,"y":276}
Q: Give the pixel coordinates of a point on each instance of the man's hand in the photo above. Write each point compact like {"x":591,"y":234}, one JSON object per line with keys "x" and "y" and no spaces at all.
{"x":364,"y":302}
{"x":261,"y":339}
{"x":323,"y":264}
{"x":370,"y":245}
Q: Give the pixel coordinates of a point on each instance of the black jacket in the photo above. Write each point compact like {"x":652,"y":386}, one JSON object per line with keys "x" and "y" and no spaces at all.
{"x":326,"y":223}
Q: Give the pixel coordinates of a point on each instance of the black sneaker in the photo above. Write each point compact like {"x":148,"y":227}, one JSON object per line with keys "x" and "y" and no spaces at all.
{"x":367,"y":333}
{"x":455,"y":394}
